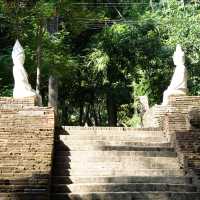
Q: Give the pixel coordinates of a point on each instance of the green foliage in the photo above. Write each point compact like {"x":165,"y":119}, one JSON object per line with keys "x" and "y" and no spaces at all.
{"x":142,"y":86}
{"x":6,"y":91}
{"x":98,"y":60}
{"x":180,"y":25}
{"x":105,"y":57}
{"x":135,"y":121}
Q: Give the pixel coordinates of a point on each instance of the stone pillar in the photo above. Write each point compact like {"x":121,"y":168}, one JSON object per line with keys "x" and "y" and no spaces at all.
{"x":53,"y":96}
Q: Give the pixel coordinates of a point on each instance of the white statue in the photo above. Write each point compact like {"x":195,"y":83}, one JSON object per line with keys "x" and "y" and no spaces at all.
{"x":22,"y":87}
{"x":178,"y":85}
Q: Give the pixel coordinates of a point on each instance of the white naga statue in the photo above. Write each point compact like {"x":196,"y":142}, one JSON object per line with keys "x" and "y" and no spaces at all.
{"x":178,"y":85}
{"x":22,"y":87}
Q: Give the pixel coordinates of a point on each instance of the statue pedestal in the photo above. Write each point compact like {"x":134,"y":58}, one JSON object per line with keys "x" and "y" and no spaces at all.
{"x":169,"y":92}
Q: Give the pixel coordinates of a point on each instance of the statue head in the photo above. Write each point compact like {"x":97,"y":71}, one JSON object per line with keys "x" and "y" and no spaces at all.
{"x":179,"y":56}
{"x":18,"y":55}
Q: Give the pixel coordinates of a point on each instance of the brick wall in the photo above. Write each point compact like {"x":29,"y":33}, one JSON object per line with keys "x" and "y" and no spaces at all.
{"x":183,"y":102}
{"x":17,"y":103}
{"x":26,"y":146}
{"x":183,"y":135}
{"x":154,"y":117}
{"x":187,"y":146}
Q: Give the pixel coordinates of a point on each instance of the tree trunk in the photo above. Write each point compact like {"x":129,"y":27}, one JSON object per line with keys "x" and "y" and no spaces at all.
{"x":38,"y":80}
{"x":38,"y":53}
{"x":86,"y":121}
{"x":151,"y":4}
{"x":40,"y":33}
{"x":99,"y":114}
{"x":95,"y":115}
{"x":53,"y":93}
{"x":112,"y":111}
{"x":81,"y":112}
{"x":183,"y":2}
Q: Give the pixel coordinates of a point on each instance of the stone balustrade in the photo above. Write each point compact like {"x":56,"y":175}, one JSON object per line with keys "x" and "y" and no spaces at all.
{"x":26,"y":146}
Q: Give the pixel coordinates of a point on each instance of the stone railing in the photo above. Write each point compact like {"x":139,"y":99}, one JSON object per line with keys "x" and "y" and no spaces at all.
{"x":155,"y":116}
{"x":26,"y":146}
{"x":11,"y":103}
{"x":180,"y":121}
{"x":185,"y":138}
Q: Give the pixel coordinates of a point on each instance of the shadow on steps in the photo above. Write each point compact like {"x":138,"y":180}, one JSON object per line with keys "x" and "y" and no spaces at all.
{"x":35,"y":187}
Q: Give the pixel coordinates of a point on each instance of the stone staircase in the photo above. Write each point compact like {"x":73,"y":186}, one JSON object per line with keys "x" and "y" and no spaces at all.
{"x":117,"y":163}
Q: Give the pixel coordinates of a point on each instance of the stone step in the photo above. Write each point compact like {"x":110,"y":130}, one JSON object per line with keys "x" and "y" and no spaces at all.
{"x":23,"y":163}
{"x":39,"y":161}
{"x":25,"y":144}
{"x":25,"y":154}
{"x":24,"y":196}
{"x":16,"y":169}
{"x":125,"y":160}
{"x":29,"y":181}
{"x":121,"y":179}
{"x":136,"y":133}
{"x":94,"y":146}
{"x":75,"y":129}
{"x":16,"y":130}
{"x":124,"y":187}
{"x":118,"y":172}
{"x":10,"y":160}
{"x":137,"y":163}
{"x":127,"y":196}
{"x":25,"y":148}
{"x":108,"y":137}
{"x":86,"y":145}
{"x":23,"y":188}
{"x":6,"y":156}
{"x":118,"y":155}
{"x":25,"y":175}
{"x":30,"y":132}
{"x":27,"y":138}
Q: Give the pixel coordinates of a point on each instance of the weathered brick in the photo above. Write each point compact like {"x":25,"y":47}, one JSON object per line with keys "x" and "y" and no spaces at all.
{"x":180,"y":120}
{"x":26,"y":145}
